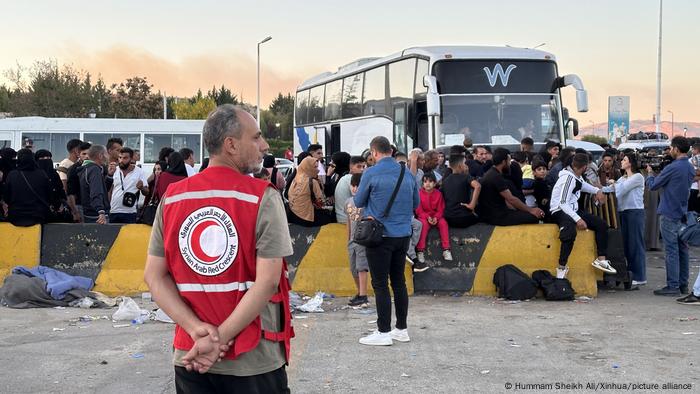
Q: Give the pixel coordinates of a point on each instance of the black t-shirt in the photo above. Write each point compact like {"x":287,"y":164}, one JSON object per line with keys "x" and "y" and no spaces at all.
{"x":491,"y":203}
{"x":542,"y":194}
{"x":456,"y":189}
{"x":73,"y":182}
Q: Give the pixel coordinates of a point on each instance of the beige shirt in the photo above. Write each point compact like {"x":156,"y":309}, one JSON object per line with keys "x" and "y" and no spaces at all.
{"x":272,"y":241}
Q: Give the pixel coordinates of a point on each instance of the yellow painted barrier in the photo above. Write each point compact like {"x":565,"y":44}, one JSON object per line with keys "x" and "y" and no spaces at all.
{"x":535,"y":247}
{"x":326,"y":265}
{"x":122,"y":271}
{"x":18,"y":246}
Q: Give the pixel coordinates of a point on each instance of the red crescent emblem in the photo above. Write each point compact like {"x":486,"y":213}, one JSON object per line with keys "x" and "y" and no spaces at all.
{"x":197,"y":242}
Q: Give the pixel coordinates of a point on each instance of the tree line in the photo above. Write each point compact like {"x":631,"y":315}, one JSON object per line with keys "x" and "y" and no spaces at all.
{"x":52,"y":90}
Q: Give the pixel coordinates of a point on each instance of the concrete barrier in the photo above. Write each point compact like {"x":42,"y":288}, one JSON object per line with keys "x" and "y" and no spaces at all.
{"x":18,"y":246}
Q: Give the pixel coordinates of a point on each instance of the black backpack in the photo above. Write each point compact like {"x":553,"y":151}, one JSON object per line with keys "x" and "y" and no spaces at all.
{"x":554,"y":289}
{"x":513,"y":284}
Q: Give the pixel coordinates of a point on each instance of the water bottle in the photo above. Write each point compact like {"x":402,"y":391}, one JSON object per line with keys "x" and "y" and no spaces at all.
{"x":139,"y":320}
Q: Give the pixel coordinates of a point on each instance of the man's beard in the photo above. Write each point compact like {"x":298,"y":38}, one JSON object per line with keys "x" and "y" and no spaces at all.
{"x":252,"y":168}
{"x":124,"y":166}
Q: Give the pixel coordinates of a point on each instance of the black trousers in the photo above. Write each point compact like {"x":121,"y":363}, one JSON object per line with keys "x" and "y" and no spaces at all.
{"x":194,"y":382}
{"x":387,"y":261}
{"x":512,"y":218}
{"x":567,"y":233}
{"x":462,"y":221}
{"x":321,"y":218}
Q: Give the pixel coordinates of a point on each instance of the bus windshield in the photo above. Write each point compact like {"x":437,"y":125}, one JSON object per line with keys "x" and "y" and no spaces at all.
{"x":498,"y":119}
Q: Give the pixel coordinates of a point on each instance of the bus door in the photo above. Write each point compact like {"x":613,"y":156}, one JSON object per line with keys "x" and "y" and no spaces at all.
{"x":400,"y":112}
{"x":5,"y":139}
{"x":421,"y":133}
{"x":332,"y":142}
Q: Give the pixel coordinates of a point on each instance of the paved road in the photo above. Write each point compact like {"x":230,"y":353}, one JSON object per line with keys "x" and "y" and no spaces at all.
{"x":459,"y":344}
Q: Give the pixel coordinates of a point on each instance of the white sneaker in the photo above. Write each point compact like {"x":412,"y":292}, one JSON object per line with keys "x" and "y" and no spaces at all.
{"x":447,"y":255}
{"x":640,"y":283}
{"x":377,"y":339}
{"x":604,"y":265}
{"x":409,"y":261}
{"x":420,"y":256}
{"x":400,"y":335}
{"x":561,"y":273}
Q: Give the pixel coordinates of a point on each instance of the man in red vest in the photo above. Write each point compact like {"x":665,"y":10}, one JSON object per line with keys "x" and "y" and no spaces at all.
{"x":215,"y":266}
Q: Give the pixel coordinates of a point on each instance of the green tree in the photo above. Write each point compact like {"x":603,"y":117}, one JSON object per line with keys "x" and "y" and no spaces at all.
{"x":4,"y":99}
{"x":222,"y":96}
{"x":198,"y":110}
{"x":282,"y":104}
{"x":594,"y":139}
{"x":133,"y":99}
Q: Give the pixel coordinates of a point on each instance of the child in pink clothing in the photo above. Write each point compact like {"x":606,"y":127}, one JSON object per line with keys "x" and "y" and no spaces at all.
{"x":430,"y":213}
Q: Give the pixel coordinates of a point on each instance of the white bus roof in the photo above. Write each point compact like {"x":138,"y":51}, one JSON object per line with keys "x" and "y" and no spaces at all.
{"x":104,"y":125}
{"x":434,"y":53}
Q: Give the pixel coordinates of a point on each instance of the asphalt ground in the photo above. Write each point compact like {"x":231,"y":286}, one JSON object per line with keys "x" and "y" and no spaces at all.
{"x":617,"y":342}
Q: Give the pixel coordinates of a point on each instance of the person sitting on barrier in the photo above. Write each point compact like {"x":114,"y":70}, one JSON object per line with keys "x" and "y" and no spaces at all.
{"x":565,"y":212}
{"x":306,"y":199}
{"x":496,"y":197}
{"x":337,"y":168}
{"x":416,"y":160}
{"x":430,"y":212}
{"x":480,"y":164}
{"x":26,"y":192}
{"x":73,"y":184}
{"x":541,"y":192}
{"x":342,"y":188}
{"x":629,"y":191}
{"x":564,"y":158}
{"x":550,"y":151}
{"x":442,"y":166}
{"x":461,"y":193}
{"x":359,"y":267}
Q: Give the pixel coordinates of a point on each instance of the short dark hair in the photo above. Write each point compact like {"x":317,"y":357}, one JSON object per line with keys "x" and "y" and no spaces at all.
{"x":186,"y":153}
{"x":484,"y":147}
{"x":381,"y":145}
{"x":128,"y":151}
{"x":580,"y":160}
{"x":527,"y":141}
{"x":519,"y":156}
{"x":681,"y":143}
{"x":537,"y":163}
{"x":357,"y":160}
{"x":457,"y":150}
{"x":114,"y":140}
{"x":85,"y":146}
{"x":607,"y":154}
{"x":551,"y":144}
{"x":165,"y":153}
{"x":314,"y":147}
{"x":500,"y":155}
{"x":456,"y":160}
{"x":429,"y":176}
{"x":696,"y":145}
{"x":72,"y":144}
{"x":355,"y":179}
{"x":566,"y":154}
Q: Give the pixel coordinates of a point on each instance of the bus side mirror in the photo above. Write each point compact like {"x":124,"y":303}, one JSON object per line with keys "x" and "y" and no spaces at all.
{"x":581,"y":94}
{"x":572,"y":127}
{"x":432,"y":97}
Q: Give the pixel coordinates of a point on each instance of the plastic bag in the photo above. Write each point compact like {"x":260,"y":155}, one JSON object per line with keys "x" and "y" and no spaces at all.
{"x":313,"y":305}
{"x":128,"y":310}
{"x":163,"y":317}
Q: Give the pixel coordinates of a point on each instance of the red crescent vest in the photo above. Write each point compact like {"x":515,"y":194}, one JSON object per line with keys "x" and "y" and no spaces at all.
{"x":209,"y":238}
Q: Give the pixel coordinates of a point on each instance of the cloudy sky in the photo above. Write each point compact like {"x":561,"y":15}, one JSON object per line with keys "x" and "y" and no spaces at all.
{"x":184,"y":45}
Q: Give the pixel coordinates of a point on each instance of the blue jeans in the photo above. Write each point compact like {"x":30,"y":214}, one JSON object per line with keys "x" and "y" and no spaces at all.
{"x":126,"y":218}
{"x":696,"y":286}
{"x":677,"y":265}
{"x":632,"y":221}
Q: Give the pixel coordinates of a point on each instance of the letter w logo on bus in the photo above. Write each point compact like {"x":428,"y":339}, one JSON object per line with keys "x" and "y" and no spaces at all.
{"x":498,"y":72}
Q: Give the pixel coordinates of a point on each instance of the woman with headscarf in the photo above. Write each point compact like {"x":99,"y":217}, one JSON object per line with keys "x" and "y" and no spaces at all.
{"x":175,"y":172}
{"x":276,"y":177}
{"x":27,"y":192}
{"x":306,"y":198}
{"x":44,"y":160}
{"x":339,"y":166}
{"x":293,"y":174}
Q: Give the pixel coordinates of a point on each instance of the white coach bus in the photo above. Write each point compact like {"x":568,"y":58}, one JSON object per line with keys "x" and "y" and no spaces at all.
{"x":146,"y":135}
{"x":430,"y":97}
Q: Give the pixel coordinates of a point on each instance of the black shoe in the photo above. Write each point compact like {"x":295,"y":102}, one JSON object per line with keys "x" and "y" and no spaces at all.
{"x":684,"y":290}
{"x":419,"y":267}
{"x":353,"y":299}
{"x":690,"y":299}
{"x":359,"y":301}
{"x":667,"y":291}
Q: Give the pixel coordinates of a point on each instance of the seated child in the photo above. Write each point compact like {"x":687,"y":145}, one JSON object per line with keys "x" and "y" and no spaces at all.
{"x":430,"y":213}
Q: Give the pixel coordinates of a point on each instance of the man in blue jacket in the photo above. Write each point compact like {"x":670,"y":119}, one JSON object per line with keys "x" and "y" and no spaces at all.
{"x":676,"y":179}
{"x":388,"y":260}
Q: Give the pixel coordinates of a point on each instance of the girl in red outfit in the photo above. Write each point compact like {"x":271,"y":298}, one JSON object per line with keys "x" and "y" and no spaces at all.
{"x":430,"y":212}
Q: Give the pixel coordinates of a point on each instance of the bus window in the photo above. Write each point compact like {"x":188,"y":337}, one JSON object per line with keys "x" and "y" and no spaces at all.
{"x":374,"y":93}
{"x":191,"y":141}
{"x":401,"y":84}
{"x":352,"y":96}
{"x":316,"y":105}
{"x":421,"y":71}
{"x":154,"y":142}
{"x":54,"y":142}
{"x":334,"y":91}
{"x":302,"y":106}
{"x":132,"y":141}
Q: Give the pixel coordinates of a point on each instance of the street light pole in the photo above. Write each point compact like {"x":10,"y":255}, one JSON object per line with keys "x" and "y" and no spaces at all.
{"x":268,"y":38}
{"x":592,"y":126}
{"x":671,"y":112}
{"x":685,"y":131}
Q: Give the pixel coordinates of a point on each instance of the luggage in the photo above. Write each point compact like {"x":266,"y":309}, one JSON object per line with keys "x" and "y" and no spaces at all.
{"x":513,"y":284}
{"x":554,"y":289}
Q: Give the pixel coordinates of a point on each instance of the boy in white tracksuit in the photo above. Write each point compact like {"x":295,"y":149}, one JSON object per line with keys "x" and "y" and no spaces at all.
{"x":566,"y":213}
